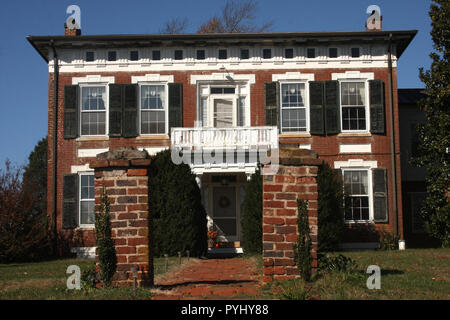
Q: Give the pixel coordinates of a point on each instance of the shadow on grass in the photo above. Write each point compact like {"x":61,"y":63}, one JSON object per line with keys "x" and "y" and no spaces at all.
{"x":210,"y":282}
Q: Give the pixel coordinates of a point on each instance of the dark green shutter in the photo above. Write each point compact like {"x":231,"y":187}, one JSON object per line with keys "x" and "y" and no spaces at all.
{"x":377,"y":107}
{"x":115,"y":110}
{"x":271,"y":108}
{"x":332,"y":112}
{"x":175,"y":105}
{"x":70,"y":112}
{"x":316,"y":114}
{"x":130,"y":110}
{"x":380,"y":209}
{"x":70,"y":201}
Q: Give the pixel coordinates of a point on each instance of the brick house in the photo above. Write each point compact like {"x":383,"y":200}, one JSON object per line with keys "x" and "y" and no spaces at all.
{"x":332,"y":92}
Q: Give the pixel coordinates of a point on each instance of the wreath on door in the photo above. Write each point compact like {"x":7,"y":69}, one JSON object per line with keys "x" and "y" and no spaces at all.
{"x":224,"y":202}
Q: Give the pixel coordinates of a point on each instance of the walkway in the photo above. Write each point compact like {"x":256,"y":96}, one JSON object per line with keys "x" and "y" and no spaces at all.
{"x":236,"y":278}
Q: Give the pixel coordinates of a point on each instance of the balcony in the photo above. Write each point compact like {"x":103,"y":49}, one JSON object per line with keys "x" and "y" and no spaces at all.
{"x":225,"y":138}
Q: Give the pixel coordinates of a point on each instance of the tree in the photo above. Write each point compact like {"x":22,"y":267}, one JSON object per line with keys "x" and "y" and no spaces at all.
{"x":434,"y":135}
{"x":252,"y":215}
{"x":234,"y":17}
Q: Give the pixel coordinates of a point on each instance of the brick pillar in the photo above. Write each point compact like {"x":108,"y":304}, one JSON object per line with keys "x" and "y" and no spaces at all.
{"x":295,"y":179}
{"x":124,"y":173}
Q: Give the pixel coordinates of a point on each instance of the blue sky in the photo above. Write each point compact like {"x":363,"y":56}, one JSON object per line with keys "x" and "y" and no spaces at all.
{"x":24,"y":74}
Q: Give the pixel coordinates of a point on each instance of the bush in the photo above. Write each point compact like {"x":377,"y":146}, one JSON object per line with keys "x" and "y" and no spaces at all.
{"x":330,"y":208}
{"x":179,"y":219}
{"x":105,"y":245}
{"x":251,"y":220}
{"x":338,"y":263}
{"x":89,"y":277}
{"x":303,"y":247}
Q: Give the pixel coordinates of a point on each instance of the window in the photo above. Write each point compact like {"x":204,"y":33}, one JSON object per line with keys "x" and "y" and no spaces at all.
{"x":356,"y":187}
{"x":289,"y":53}
{"x":156,"y":55}
{"x":355,"y":52}
{"x":222,"y":90}
{"x":153,"y":109}
{"x":311,"y":53}
{"x":86,"y":196}
{"x":353,"y":106}
{"x":332,"y":52}
{"x":293,"y":107}
{"x":93,"y":110}
{"x":201,"y":54}
{"x":245,"y":54}
{"x":223,"y":54}
{"x":178,"y":54}
{"x":112,"y":55}
{"x":134,"y":55}
{"x":90,"y":56}
{"x":267,"y":53}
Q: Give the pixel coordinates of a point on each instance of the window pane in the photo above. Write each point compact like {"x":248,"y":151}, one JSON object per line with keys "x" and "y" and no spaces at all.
{"x":267,"y":53}
{"x":311,"y":53}
{"x":241,"y":111}
{"x":152,"y":97}
{"x":289,"y":53}
{"x":294,"y":119}
{"x":156,"y":55}
{"x":89,"y":56}
{"x":153,"y":122}
{"x":178,"y":54}
{"x":93,"y":98}
{"x":332,"y":53}
{"x":93,"y":123}
{"x":293,"y":95}
{"x":355,"y":52}
{"x":245,"y":54}
{"x":200,"y":54}
{"x":87,"y":212}
{"x":222,"y":54}
{"x":134,"y":55}
{"x":112,"y":55}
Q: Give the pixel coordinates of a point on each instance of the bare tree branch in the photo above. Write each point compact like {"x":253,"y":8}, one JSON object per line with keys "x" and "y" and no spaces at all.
{"x":174,"y":26}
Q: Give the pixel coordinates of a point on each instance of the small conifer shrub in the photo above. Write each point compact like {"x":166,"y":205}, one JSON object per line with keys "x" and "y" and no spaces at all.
{"x":302,"y":249}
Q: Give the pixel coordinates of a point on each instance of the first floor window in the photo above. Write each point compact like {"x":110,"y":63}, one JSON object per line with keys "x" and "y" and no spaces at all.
{"x":353,"y":104}
{"x":153,"y":110}
{"x":93,"y":111}
{"x":87,"y":215}
{"x":293,"y":107}
{"x":356,"y":188}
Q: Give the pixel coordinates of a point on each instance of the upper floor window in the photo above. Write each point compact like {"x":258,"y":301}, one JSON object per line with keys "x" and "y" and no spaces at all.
{"x":293,"y":107}
{"x":153,"y":109}
{"x":223,"y":54}
{"x":201,"y":55}
{"x":178,"y":55}
{"x":332,"y":52}
{"x":93,"y":110}
{"x":134,"y":55}
{"x":353,"y":106}
{"x":355,"y":52}
{"x":267,"y":53}
{"x":112,"y":55}
{"x":90,"y":56}
{"x":156,"y":55}
{"x":289,"y":53}
{"x":245,"y":54}
{"x":311,"y":53}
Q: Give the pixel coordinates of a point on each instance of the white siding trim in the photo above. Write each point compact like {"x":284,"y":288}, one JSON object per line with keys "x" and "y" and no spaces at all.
{"x":353,"y":75}
{"x":153,"y":77}
{"x":355,"y":148}
{"x":355,"y":163}
{"x":82,"y":168}
{"x":92,"y":79}
{"x":86,"y":153}
{"x":222,"y":77}
{"x":293,"y":76}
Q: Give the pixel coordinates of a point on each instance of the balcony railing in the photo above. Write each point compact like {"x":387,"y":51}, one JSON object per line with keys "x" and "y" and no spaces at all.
{"x":236,"y":137}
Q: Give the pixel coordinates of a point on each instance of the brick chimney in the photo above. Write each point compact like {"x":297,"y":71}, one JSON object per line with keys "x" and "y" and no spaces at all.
{"x":374,"y":27}
{"x":71,"y":32}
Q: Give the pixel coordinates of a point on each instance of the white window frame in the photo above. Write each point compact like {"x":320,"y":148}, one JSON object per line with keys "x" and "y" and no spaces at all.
{"x":307,"y":108}
{"x":166,"y":108}
{"x":80,"y":104}
{"x":366,"y":104}
{"x":370,"y":191}
{"x":80,"y":174}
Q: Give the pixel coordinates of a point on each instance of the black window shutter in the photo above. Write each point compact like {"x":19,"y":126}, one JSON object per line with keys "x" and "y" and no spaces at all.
{"x":130,"y":110}
{"x":316,"y":114}
{"x":332,"y":112}
{"x":271,"y":108}
{"x":175,"y":105}
{"x":377,"y":107}
{"x":380,"y":208}
{"x":70,"y":201}
{"x":115,"y":110}
{"x":70,"y":112}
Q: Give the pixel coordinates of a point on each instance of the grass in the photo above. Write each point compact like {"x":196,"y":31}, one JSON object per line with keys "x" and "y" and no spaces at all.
{"x":47,"y":281}
{"x":409,"y":274}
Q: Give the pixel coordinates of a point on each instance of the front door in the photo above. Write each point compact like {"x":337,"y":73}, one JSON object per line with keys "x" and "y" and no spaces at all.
{"x":223,"y":113}
{"x":225,"y":212}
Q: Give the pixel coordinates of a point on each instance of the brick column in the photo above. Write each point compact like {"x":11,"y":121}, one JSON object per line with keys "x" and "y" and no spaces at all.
{"x":295,"y":179}
{"x":124,"y":174}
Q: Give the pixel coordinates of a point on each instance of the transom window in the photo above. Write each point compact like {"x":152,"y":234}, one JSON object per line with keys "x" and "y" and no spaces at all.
{"x":201,"y":54}
{"x":267,"y":53}
{"x":293,"y":107}
{"x":156,"y":55}
{"x":333,"y":52}
{"x":223,"y":54}
{"x":356,"y":187}
{"x":245,"y":54}
{"x":178,"y":54}
{"x":112,"y":55}
{"x":93,"y":111}
{"x":353,"y":106}
{"x":311,"y":53}
{"x":355,"y":52}
{"x":222,"y":90}
{"x":153,"y":109}
{"x":289,"y":53}
{"x":86,"y":214}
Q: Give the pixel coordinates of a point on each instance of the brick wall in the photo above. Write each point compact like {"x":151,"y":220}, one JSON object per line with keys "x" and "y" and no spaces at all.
{"x":295,"y":179}
{"x":126,"y":182}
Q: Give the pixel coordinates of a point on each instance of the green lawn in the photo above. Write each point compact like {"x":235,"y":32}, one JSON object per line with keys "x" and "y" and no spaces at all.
{"x":409,"y":274}
{"x":47,"y":280}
